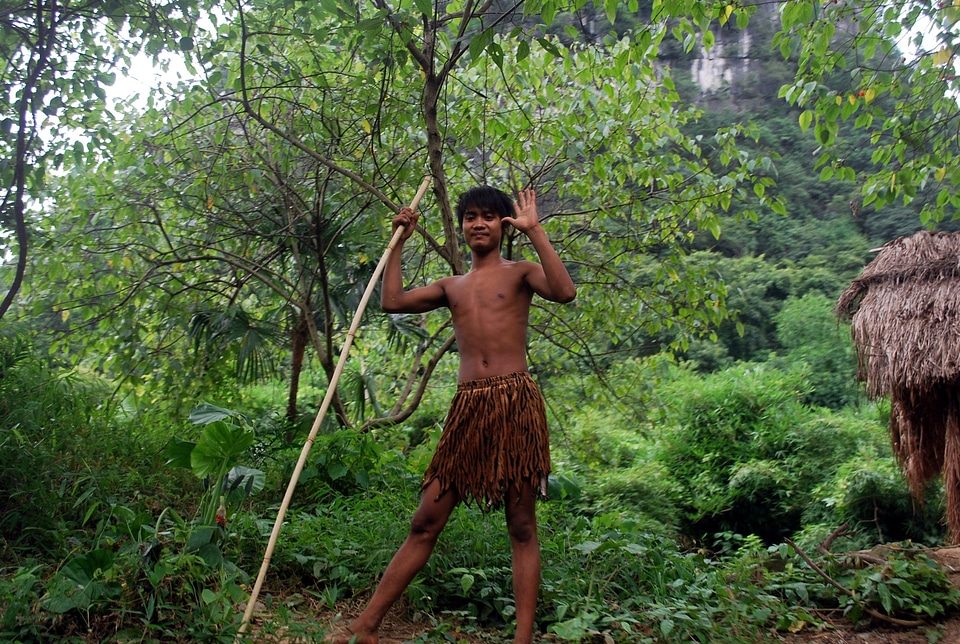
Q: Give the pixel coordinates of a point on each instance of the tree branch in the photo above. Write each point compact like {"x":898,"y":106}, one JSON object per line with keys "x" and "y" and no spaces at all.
{"x":401,"y":415}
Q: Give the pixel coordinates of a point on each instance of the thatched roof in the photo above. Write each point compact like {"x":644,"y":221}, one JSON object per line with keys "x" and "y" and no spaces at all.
{"x":905,"y":310}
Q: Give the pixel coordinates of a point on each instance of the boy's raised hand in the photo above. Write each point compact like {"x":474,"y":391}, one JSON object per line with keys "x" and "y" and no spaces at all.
{"x":525,"y":211}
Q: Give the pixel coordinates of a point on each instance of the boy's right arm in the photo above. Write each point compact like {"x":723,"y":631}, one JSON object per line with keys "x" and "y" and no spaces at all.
{"x":393,"y":299}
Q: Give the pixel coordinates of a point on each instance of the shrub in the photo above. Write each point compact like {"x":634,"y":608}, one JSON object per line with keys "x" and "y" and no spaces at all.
{"x":869,"y":494}
{"x":63,"y":461}
{"x":817,"y":343}
{"x":746,"y":451}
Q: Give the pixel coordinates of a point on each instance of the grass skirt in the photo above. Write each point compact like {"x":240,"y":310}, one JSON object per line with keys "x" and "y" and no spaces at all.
{"x":495,"y":437}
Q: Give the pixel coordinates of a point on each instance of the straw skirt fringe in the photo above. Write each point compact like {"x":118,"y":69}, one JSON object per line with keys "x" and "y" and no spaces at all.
{"x":495,"y":437}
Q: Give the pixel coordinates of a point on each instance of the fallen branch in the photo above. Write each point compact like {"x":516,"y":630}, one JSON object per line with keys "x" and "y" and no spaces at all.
{"x":833,"y":582}
{"x":824,"y":548}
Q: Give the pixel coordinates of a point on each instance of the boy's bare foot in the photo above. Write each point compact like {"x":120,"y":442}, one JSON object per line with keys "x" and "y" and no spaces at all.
{"x":346,"y":635}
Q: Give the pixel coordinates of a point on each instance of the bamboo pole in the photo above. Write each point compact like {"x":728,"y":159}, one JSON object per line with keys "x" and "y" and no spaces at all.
{"x":331,"y":389}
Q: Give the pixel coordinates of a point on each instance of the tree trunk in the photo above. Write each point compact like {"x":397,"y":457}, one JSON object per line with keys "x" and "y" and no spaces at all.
{"x":301,"y":337}
{"x":46,"y":36}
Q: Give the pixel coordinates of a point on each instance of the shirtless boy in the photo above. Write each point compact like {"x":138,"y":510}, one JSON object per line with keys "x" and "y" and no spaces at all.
{"x":494,"y":449}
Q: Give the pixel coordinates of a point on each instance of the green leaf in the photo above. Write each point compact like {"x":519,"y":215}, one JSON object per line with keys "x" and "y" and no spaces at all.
{"x":178,"y":452}
{"x":708,"y":39}
{"x":548,"y":12}
{"x":587,"y":546}
{"x":206,"y":413}
{"x":480,"y":42}
{"x":572,"y":630}
{"x":240,"y":482}
{"x":337,"y":470}
{"x":211,"y":555}
{"x":549,"y":47}
{"x":523,"y":50}
{"x":610,"y":8}
{"x":886,"y":600}
{"x":743,"y":20}
{"x":496,"y":53}
{"x":85,"y":568}
{"x":824,"y":133}
{"x":218,"y":446}
{"x":331,"y":7}
{"x":666,"y":626}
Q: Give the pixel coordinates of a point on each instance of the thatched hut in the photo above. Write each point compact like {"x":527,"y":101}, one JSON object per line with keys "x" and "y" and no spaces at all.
{"x":905,"y":309}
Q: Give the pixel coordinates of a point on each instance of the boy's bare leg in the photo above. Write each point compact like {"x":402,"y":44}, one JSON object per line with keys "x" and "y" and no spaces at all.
{"x":522,"y":526}
{"x":427,"y":524}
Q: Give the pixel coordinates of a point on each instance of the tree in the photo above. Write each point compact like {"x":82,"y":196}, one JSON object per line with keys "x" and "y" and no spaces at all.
{"x":305,"y":120}
{"x":815,"y":340}
{"x":889,"y":68}
{"x":58,"y":58}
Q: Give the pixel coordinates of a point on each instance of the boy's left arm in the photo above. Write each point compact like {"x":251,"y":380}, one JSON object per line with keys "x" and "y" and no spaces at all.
{"x":550,"y":278}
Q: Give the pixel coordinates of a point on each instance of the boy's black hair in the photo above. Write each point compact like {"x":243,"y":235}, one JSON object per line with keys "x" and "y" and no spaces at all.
{"x":485,"y":197}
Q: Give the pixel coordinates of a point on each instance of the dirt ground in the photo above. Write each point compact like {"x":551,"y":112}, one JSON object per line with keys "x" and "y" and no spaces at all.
{"x":403,"y":625}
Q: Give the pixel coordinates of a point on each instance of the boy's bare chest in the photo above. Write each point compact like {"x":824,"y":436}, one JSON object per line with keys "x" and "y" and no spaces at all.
{"x":487,"y":292}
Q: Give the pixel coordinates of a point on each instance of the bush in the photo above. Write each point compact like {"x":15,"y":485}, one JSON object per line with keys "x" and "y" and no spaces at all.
{"x":817,"y":343}
{"x":645,"y":493}
{"x":63,"y":462}
{"x":610,"y":456}
{"x":870,"y":495}
{"x":747,"y":452}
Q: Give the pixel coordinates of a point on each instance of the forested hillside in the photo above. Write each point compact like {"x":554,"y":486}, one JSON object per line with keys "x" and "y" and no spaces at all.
{"x":181,"y":272}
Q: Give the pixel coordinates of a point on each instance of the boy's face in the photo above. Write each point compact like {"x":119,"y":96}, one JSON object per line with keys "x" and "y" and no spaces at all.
{"x":482,"y":228}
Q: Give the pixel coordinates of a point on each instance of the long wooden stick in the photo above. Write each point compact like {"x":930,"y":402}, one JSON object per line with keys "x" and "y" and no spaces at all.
{"x":331,"y":389}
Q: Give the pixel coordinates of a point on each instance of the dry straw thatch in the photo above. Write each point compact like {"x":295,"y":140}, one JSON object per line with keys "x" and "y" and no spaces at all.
{"x":905,"y":309}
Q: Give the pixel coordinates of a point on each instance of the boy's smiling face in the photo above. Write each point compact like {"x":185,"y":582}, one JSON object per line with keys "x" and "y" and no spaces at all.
{"x":482,"y":228}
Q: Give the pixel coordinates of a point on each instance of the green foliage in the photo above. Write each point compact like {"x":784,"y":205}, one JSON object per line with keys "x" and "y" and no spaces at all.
{"x":604,"y":575}
{"x":612,"y":468}
{"x":58,"y":66}
{"x":869,"y":494}
{"x":214,"y":458}
{"x":346,"y":541}
{"x":894,"y":81}
{"x":342,"y":463}
{"x":181,"y":263}
{"x":159,"y":589}
{"x":19,"y":592}
{"x":642,"y":588}
{"x":610,"y":566}
{"x":603,"y":450}
{"x":747,"y":452}
{"x":255,"y":213}
{"x":758,"y":289}
{"x":814,"y":339}
{"x":900,"y":581}
{"x":161,"y":575}
{"x":908,"y":584}
{"x":59,"y":452}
